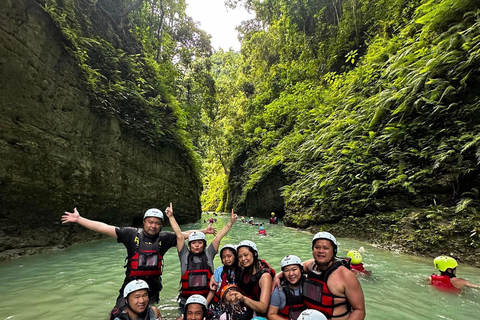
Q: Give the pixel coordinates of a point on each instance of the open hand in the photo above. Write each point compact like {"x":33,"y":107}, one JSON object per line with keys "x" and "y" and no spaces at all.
{"x":211,"y":230}
{"x":71,"y":216}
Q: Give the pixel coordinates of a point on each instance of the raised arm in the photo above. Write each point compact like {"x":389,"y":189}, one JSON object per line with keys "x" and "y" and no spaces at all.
{"x":97,"y":226}
{"x":223,"y":231}
{"x":175,"y":227}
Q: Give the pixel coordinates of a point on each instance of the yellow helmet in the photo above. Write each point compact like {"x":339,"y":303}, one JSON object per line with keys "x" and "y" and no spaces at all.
{"x":273,"y":213}
{"x":355,"y":256}
{"x":442,"y":263}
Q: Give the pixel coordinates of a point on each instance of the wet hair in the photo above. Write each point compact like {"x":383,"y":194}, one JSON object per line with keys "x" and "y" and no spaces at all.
{"x":449,"y":272}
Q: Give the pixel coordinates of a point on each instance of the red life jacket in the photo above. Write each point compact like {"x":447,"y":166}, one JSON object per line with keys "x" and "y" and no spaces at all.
{"x":249,"y":283}
{"x":196,"y":280}
{"x":357,"y":267}
{"x":273,"y":220}
{"x":262,"y":231}
{"x":317,"y":295}
{"x":147,"y":260}
{"x":294,"y":305}
{"x":443,"y":283}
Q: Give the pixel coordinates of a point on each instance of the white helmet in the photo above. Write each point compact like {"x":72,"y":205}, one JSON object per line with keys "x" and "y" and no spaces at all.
{"x":228,"y":246}
{"x":153,"y":213}
{"x":327,"y":236}
{"x":311,"y":314}
{"x":196,"y":298}
{"x":290,"y":260}
{"x":248,"y":243}
{"x":133,"y":286}
{"x":196,"y":235}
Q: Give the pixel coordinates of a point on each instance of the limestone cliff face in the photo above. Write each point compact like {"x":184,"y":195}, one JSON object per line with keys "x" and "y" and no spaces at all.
{"x":264,"y":198}
{"x":56,"y":154}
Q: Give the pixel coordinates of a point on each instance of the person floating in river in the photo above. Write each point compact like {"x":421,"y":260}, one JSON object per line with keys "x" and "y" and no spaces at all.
{"x":145,"y":247}
{"x":287,"y":303}
{"x":447,"y":280}
{"x":225,"y":274}
{"x":196,"y":262}
{"x":262,"y":231}
{"x":331,"y":287}
{"x":273,"y":219}
{"x":356,"y":263}
{"x":136,"y":303}
{"x":254,"y":280}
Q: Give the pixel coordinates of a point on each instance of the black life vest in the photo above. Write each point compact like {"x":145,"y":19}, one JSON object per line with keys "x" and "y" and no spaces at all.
{"x":196,"y":279}
{"x":249,"y":283}
{"x":317,"y":295}
{"x":294,"y":305}
{"x":147,"y":260}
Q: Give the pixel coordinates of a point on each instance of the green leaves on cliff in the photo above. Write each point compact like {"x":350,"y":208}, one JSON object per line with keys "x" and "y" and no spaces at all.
{"x":371,"y":105}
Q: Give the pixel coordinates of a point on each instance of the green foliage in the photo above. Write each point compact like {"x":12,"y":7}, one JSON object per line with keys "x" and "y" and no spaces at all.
{"x":367,"y":107}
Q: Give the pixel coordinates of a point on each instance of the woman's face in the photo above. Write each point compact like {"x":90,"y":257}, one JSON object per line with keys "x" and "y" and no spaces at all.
{"x":292,"y":273}
{"x":228,"y":257}
{"x":245,"y":257}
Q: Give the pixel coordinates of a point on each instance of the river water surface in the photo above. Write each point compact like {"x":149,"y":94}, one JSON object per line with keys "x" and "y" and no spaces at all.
{"x":83,"y":281}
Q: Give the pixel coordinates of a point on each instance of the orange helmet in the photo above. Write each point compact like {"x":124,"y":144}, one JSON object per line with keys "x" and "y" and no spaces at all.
{"x":226,"y":288}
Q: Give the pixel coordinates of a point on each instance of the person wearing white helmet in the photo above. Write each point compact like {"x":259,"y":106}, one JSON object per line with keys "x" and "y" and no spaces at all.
{"x":196,"y":262}
{"x":135,"y":294}
{"x":255,"y":278}
{"x":287,"y":303}
{"x":195,"y":308}
{"x":224,"y":274}
{"x":330,"y":287}
{"x":311,"y":314}
{"x":145,"y":246}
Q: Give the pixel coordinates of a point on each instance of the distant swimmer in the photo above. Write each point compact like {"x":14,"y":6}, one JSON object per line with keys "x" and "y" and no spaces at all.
{"x":447,"y":280}
{"x":251,"y":221}
{"x":356,"y":263}
{"x":244,"y":220}
{"x":273,"y":219}
{"x":262,"y":231}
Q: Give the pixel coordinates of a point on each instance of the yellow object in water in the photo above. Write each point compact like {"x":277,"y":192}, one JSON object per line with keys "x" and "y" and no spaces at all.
{"x":355,"y":256}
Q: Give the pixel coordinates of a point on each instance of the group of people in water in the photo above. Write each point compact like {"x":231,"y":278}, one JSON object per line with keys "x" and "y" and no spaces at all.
{"x":245,"y":286}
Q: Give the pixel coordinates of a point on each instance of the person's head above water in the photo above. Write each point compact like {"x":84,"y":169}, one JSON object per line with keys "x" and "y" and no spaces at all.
{"x":324,"y":247}
{"x":446,"y":265}
{"x":355,"y":257}
{"x":197,"y":242}
{"x":136,"y":296}
{"x":152,"y":222}
{"x":195,"y":308}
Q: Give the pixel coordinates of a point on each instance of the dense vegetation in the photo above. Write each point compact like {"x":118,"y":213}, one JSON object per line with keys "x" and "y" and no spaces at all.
{"x":366,"y":107}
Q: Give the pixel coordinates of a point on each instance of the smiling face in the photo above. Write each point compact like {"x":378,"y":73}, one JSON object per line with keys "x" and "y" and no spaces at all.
{"x":196,"y":246}
{"x":228,"y":257}
{"x":138,"y":301}
{"x":245,"y":257}
{"x":194,"y":311}
{"x":322,"y":251}
{"x":152,"y":226}
{"x":292,"y":273}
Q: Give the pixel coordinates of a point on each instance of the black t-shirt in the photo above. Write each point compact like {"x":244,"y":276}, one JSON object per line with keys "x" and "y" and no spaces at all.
{"x":127,"y":236}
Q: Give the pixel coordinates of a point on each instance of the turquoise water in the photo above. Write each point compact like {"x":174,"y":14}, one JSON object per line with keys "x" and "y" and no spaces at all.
{"x":83,"y":280}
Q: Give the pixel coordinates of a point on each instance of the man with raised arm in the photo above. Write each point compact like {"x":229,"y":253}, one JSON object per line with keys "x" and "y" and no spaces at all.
{"x":145,"y":246}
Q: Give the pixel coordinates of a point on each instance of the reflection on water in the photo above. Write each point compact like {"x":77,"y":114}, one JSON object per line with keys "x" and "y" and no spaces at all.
{"x":83,"y":280}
